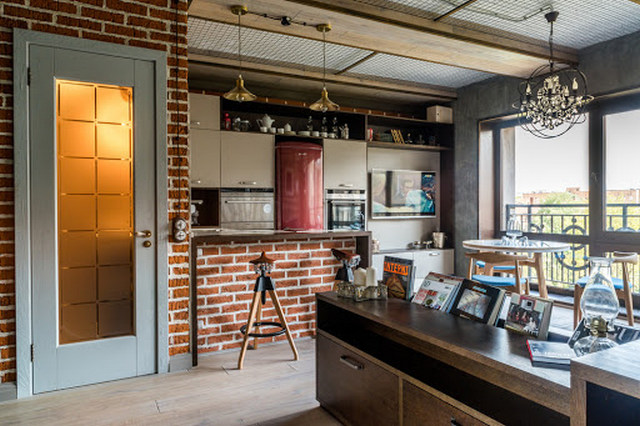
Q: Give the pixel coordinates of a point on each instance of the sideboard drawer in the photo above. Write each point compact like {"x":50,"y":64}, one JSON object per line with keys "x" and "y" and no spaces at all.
{"x":355,"y":389}
{"x":420,"y":407}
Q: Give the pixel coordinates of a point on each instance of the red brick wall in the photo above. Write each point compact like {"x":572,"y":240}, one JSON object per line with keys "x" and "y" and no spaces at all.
{"x":142,"y":23}
{"x":226,"y":280}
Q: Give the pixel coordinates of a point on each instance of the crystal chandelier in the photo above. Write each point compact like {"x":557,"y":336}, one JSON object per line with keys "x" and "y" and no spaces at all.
{"x":552,"y":100}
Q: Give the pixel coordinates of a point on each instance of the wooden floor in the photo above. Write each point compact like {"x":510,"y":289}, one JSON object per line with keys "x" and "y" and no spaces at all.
{"x":271,"y":390}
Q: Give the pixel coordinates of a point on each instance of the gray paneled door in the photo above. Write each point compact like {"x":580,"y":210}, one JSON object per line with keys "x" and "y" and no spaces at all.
{"x":92,"y":176}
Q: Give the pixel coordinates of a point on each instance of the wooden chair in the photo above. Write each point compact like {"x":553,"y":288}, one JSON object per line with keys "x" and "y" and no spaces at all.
{"x":480,"y":268}
{"x":622,"y":286}
{"x":491,"y":262}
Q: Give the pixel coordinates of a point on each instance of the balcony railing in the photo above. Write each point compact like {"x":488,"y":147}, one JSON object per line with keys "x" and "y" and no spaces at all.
{"x":564,"y":269}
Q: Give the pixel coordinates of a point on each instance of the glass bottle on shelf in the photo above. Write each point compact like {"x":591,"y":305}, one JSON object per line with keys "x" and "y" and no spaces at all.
{"x":310,"y":124}
{"x":599,"y":305}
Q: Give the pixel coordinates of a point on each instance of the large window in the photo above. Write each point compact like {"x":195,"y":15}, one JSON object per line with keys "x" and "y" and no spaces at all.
{"x":622,"y":171}
{"x":582,"y":188}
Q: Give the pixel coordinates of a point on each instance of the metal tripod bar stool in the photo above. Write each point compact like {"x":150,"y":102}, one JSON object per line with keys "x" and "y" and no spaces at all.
{"x":263,"y":265}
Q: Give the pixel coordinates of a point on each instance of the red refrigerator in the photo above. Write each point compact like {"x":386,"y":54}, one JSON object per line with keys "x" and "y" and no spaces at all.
{"x":299,"y":194}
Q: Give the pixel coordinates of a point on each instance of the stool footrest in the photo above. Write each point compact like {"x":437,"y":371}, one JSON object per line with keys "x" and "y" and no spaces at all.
{"x":282,"y":330}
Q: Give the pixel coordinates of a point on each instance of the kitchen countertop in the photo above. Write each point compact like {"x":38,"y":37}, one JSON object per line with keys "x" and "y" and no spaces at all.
{"x":238,"y":235}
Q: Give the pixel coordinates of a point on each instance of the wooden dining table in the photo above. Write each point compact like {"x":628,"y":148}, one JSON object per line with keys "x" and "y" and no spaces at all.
{"x":535,"y":248}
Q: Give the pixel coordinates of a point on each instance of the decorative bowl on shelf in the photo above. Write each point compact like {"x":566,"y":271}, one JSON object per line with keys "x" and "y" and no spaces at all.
{"x":361,"y":293}
{"x":304,"y":133}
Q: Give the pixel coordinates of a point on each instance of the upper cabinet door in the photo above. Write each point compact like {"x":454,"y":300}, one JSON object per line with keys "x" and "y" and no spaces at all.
{"x":204,"y":111}
{"x":248,"y":160}
{"x":205,"y":158}
{"x":345,"y":164}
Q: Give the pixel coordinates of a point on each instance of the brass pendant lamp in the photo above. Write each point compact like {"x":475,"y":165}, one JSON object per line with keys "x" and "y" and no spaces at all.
{"x":239,"y":93}
{"x":324,"y":104}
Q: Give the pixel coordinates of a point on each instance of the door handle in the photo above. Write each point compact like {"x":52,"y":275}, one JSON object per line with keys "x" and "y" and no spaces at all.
{"x":351,"y":363}
{"x":248,"y":182}
{"x":142,"y":234}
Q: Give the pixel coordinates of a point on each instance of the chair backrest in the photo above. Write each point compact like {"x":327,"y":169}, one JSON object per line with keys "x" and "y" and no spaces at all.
{"x":626,"y":259}
{"x":495,"y":259}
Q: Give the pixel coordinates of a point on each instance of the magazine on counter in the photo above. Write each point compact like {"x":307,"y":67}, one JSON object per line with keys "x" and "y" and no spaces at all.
{"x":437,"y":291}
{"x":621,"y":333}
{"x":550,"y":354}
{"x":478,"y":302}
{"x":397,"y":275}
{"x":529,"y":315}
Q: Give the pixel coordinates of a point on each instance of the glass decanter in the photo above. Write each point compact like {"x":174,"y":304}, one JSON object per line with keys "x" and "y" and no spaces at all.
{"x":599,"y":305}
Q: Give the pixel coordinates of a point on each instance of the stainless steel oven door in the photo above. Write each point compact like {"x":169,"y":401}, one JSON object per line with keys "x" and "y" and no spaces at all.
{"x":346,"y":215}
{"x":247,"y":211}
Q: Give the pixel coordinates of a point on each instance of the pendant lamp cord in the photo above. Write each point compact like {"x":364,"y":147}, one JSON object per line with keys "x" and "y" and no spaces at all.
{"x":324,"y":58}
{"x":551,"y":47}
{"x":239,"y":46}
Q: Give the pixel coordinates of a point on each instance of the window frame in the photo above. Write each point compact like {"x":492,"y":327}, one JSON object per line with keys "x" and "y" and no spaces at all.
{"x":599,"y":239}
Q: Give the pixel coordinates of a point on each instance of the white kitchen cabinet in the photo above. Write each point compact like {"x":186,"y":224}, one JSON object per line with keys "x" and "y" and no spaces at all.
{"x":247,"y":160}
{"x":424,"y":261}
{"x":205,"y":158}
{"x":345,"y":164}
{"x":204,"y":111}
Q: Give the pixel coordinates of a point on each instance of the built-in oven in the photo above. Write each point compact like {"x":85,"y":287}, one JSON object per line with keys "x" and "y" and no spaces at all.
{"x":345,"y":209}
{"x":247,"y":209}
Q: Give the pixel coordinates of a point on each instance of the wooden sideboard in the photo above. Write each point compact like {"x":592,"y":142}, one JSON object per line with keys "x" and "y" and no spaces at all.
{"x":605,"y":387}
{"x":391,"y":362}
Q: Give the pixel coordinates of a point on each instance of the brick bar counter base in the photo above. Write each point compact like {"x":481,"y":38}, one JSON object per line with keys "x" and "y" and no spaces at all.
{"x":226,"y":280}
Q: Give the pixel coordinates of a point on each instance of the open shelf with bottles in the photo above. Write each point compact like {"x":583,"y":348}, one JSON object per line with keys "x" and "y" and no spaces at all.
{"x":422,"y":134}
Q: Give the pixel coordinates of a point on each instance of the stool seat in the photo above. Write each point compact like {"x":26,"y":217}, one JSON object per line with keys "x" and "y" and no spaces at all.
{"x":482,"y":264}
{"x":497,"y":281}
{"x":618,"y":284}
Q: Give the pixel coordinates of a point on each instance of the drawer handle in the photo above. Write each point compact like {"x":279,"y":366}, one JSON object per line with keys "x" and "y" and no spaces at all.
{"x":196,"y":181}
{"x":351,"y":363}
{"x":434,"y":253}
{"x":346,"y":185}
{"x":454,"y":422}
{"x":248,"y":182}
{"x":195,"y":123}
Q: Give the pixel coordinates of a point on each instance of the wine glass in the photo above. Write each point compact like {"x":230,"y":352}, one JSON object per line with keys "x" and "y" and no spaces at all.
{"x":514,"y":228}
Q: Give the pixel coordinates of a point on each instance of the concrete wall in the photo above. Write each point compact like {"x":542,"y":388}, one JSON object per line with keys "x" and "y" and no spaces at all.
{"x":610,"y":66}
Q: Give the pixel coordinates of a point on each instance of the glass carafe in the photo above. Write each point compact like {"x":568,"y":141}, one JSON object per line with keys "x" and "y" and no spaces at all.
{"x":599,"y":305}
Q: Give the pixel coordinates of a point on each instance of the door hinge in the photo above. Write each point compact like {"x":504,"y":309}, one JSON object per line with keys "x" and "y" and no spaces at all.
{"x":31,"y":352}
{"x":29,"y":76}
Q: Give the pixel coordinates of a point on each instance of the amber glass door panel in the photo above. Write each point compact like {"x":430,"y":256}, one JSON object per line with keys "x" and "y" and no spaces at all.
{"x":95,"y":211}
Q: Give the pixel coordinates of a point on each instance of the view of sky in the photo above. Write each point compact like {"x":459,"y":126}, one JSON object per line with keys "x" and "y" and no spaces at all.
{"x":552,"y":165}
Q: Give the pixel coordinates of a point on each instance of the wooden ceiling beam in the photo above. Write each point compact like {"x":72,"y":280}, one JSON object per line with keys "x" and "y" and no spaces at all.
{"x":442,"y":93}
{"x":386,"y":31}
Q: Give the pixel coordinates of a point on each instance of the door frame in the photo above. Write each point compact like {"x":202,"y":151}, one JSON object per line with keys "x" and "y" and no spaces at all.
{"x":22,"y":40}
